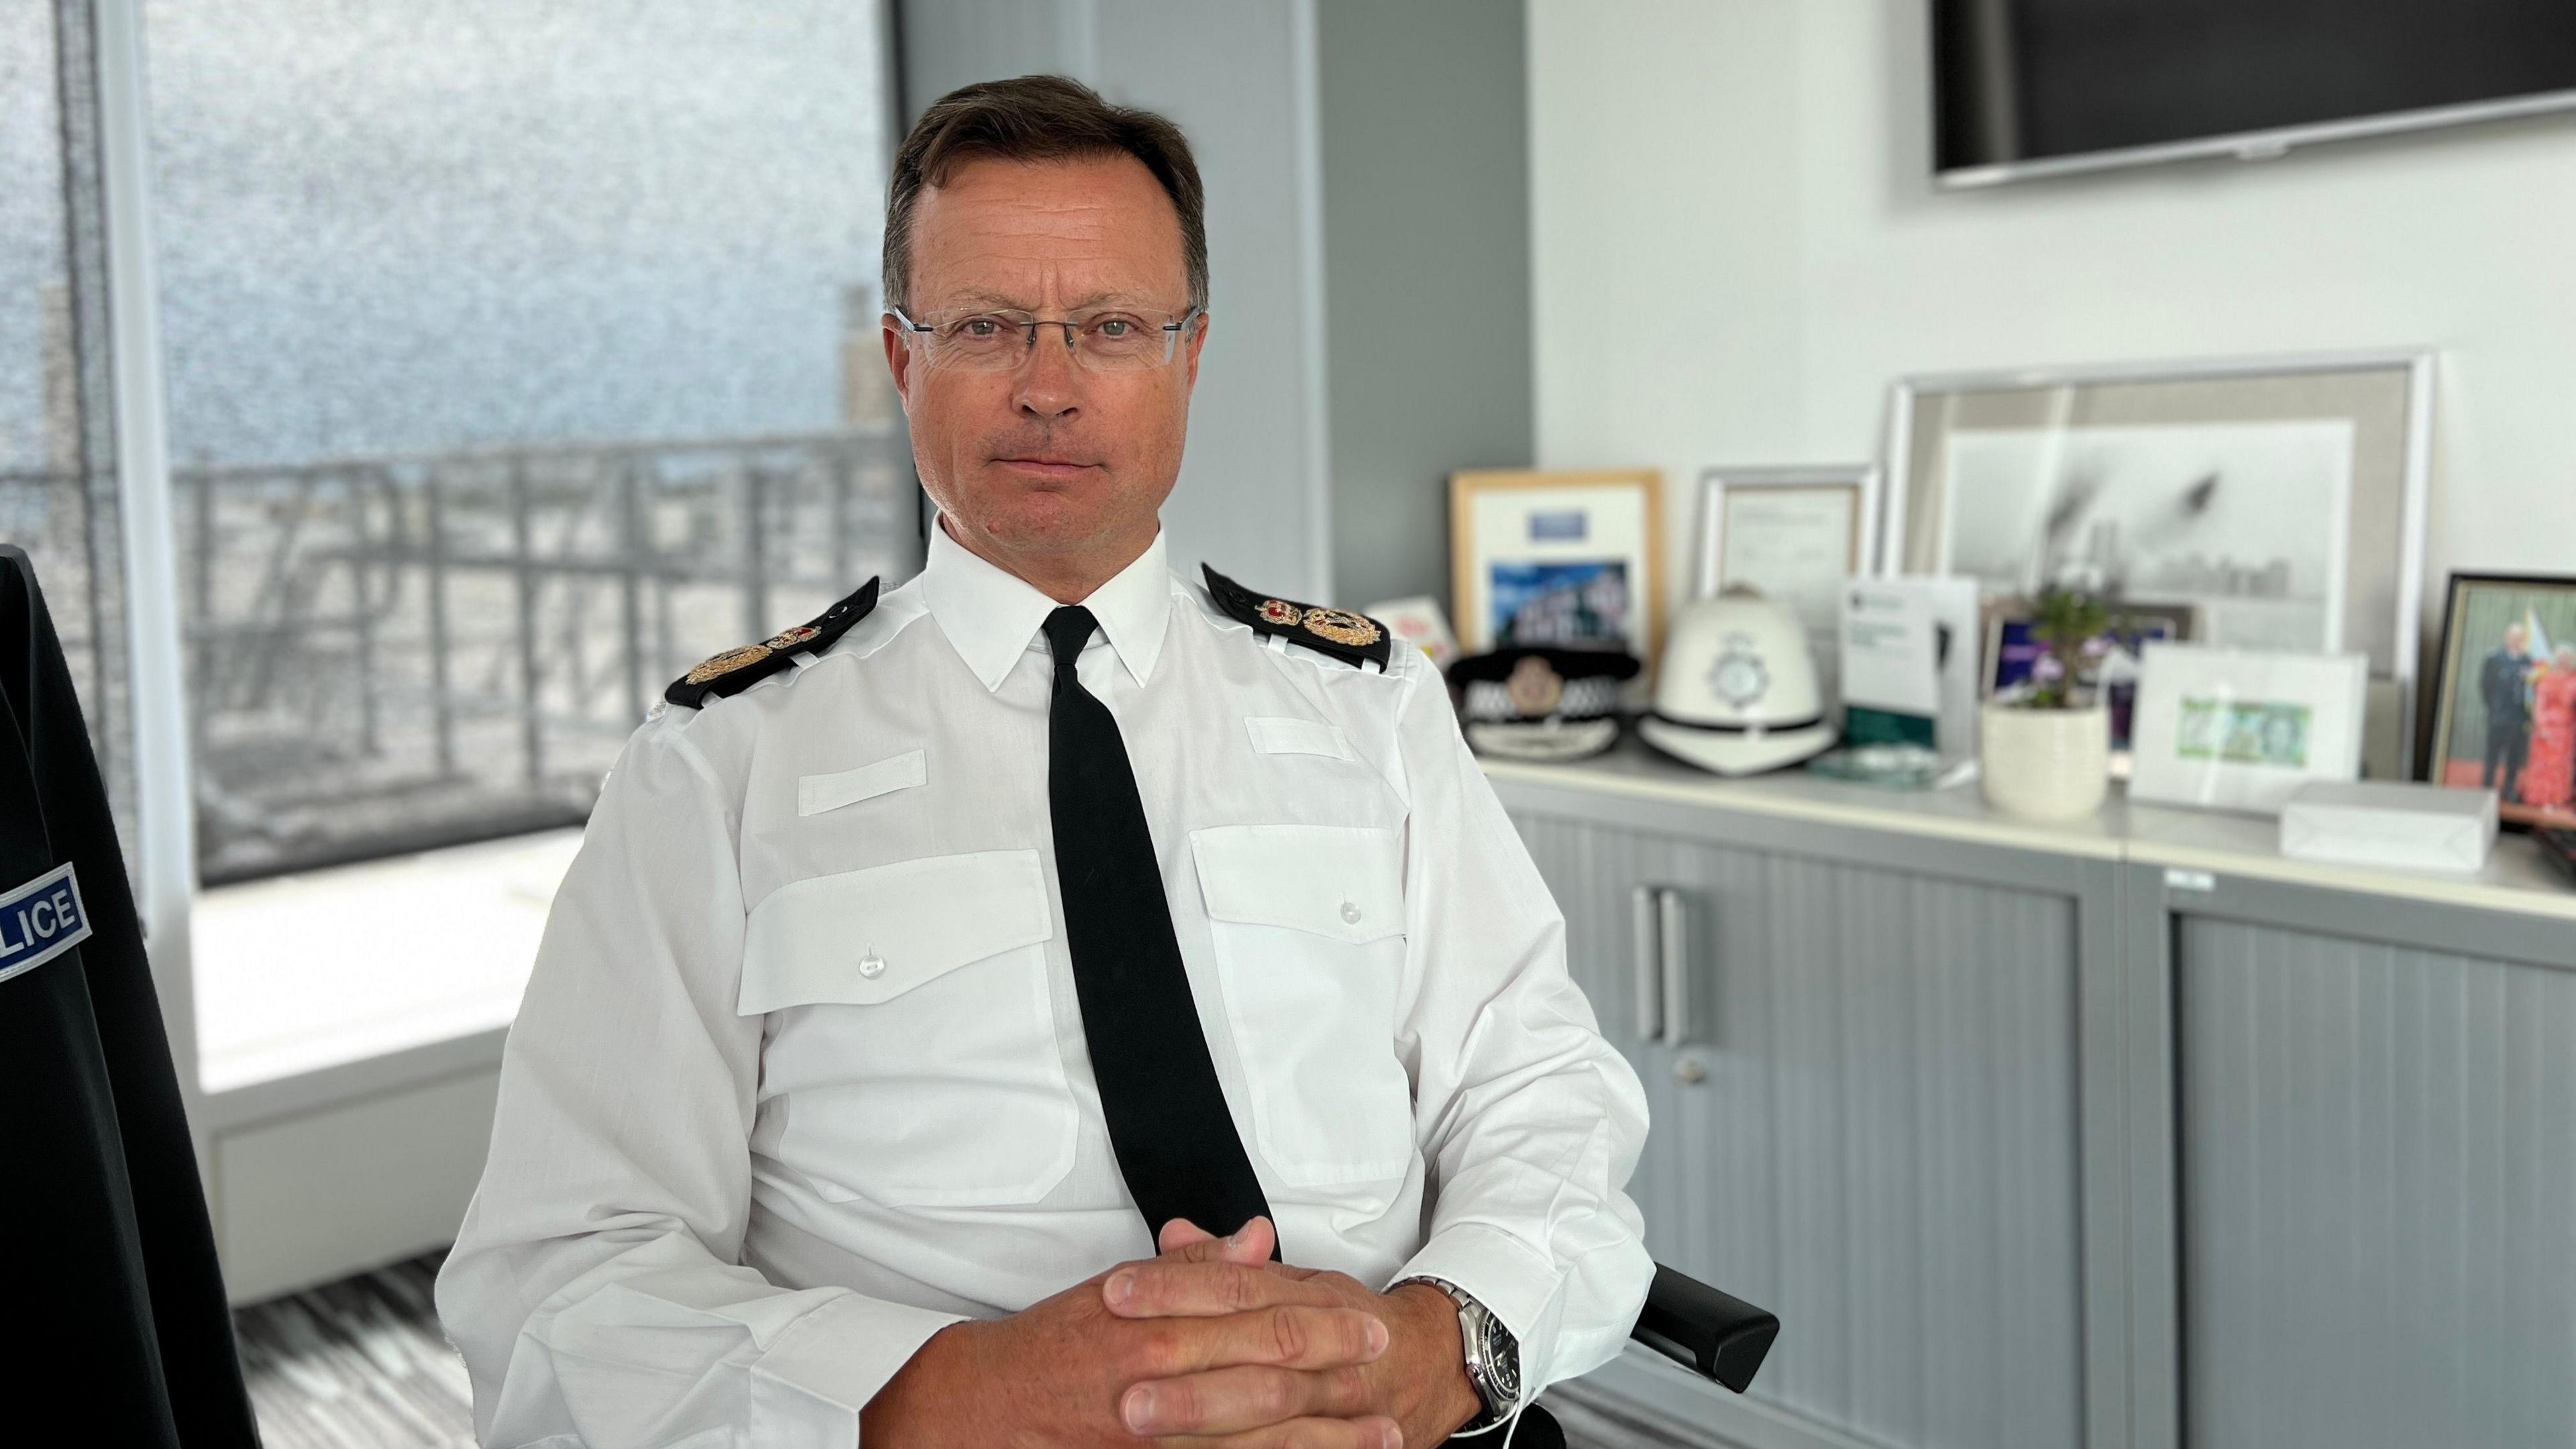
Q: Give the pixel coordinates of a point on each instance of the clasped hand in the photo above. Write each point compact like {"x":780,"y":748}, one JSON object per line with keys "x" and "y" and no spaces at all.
{"x":1210,"y":1343}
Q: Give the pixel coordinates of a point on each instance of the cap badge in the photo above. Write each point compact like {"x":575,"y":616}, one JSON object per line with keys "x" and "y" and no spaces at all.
{"x":1341,"y":626}
{"x":1534,"y":688}
{"x":1281,"y":612}
{"x":790,"y":638}
{"x":1739,"y":676}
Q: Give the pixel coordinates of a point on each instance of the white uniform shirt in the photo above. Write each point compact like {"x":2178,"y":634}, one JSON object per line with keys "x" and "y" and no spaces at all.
{"x":800,"y":1076}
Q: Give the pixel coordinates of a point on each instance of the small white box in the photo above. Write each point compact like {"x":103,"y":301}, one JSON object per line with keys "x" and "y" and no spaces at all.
{"x":2383,"y":823}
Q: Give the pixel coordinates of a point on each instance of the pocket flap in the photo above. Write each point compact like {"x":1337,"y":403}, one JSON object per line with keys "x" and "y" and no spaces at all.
{"x":1337,"y":881}
{"x":866,"y":936}
{"x":818,"y":793}
{"x":1276,"y":735}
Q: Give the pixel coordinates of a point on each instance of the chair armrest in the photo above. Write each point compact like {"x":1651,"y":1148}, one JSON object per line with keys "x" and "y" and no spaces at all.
{"x":1716,"y":1335}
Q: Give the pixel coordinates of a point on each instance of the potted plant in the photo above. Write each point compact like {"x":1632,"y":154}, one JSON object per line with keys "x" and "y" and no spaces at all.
{"x":2046,"y":752}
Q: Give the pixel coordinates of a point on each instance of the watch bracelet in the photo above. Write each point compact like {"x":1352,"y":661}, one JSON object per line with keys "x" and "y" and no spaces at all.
{"x":1494,"y":1406}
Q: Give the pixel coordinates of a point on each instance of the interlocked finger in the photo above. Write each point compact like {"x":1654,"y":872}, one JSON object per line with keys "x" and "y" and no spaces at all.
{"x":1231,"y":1400}
{"x":1369,"y":1433}
{"x":1176,"y":1286}
{"x":1288,"y":1336}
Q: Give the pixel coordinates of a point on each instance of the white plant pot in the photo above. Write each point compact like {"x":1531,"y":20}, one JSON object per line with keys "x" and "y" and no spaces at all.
{"x":2044,"y":764}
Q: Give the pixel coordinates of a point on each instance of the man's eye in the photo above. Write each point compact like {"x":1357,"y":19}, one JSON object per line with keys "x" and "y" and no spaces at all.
{"x":1114,"y":326}
{"x":979,"y":327}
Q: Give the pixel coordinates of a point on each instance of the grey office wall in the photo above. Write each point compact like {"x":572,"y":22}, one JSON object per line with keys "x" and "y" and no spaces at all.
{"x":1425,"y":121}
{"x":1368,"y":239}
{"x":1236,"y":77}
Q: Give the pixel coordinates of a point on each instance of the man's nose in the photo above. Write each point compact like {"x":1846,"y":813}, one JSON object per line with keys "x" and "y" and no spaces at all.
{"x":1049,"y":384}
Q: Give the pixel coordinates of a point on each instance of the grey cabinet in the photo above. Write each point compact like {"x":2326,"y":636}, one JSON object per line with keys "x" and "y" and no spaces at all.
{"x":1869,"y":1122}
{"x":2128,"y":1136}
{"x":2377,"y":1162}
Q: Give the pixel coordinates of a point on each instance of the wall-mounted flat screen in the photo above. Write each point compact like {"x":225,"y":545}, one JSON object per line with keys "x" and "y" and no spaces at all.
{"x":2030,"y":87}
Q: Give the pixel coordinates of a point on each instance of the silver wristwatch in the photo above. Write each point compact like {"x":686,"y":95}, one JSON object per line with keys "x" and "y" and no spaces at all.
{"x":1493,"y":1355}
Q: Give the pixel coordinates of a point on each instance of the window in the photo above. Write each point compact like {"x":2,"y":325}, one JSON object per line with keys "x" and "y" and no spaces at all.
{"x":519,"y":355}
{"x":515,"y":355}
{"x":58,"y":496}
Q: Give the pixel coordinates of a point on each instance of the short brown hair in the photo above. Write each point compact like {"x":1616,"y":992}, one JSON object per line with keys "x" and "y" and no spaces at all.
{"x":1037,"y":118}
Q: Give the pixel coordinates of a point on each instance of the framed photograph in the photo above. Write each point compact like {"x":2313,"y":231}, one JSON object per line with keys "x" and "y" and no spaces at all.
{"x":2504,"y":715}
{"x":1556,"y":558}
{"x":2011,"y":654}
{"x":2240,"y":729}
{"x":2281,"y":498}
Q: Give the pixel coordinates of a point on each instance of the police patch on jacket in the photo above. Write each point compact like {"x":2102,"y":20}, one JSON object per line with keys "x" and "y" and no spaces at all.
{"x":41,"y":920}
{"x":1354,"y":638}
{"x":735,"y":670}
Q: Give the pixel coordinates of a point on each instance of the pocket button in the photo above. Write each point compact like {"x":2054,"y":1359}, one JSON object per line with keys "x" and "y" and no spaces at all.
{"x":1351,"y":913}
{"x":872,"y":965}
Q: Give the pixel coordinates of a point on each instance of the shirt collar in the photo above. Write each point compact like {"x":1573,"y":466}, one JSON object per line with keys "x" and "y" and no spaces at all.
{"x":993,"y":616}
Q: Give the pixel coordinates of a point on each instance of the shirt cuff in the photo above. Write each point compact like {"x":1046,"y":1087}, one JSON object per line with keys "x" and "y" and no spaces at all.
{"x":809,"y":1387}
{"x":1516,"y":1283}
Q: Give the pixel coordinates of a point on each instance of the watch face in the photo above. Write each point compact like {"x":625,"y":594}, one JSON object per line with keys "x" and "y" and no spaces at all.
{"x":1502,"y":1358}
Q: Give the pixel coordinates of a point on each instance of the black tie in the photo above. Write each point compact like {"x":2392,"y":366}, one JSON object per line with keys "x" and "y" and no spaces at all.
{"x":1176,"y":1142}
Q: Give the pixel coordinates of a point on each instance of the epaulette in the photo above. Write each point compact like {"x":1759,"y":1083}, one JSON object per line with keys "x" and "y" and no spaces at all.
{"x":737,"y":669}
{"x":1355,"y":638}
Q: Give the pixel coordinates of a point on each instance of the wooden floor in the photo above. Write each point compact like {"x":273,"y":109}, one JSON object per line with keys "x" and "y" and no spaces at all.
{"x":362,"y":1365}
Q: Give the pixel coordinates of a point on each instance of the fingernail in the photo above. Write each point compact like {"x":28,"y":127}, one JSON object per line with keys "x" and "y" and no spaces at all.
{"x":1376,"y":1337}
{"x":1120,"y":1289}
{"x":1139,"y":1410}
{"x":1390,"y":1437}
{"x":1235,"y":1238}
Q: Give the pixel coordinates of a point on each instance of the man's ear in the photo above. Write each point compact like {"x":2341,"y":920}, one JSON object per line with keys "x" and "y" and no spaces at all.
{"x":1198,"y":339}
{"x":899,"y":359}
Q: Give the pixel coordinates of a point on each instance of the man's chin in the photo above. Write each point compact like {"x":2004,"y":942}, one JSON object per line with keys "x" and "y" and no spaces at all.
{"x":1037,"y":526}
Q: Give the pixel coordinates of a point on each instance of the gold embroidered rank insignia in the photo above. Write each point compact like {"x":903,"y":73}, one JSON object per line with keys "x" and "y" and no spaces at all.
{"x":1355,"y":639}
{"x":726,"y":663}
{"x":1343,"y":627}
{"x":738,"y":669}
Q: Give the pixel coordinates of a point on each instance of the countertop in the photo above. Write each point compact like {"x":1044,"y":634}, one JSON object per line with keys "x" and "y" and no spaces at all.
{"x":2515,"y":877}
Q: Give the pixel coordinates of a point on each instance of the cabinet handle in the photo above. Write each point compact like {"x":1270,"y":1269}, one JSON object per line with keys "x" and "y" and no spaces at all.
{"x":1675,"y":921}
{"x":1646,"y":976}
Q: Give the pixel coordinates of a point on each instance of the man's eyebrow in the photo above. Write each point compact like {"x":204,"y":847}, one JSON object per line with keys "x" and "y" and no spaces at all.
{"x":979,"y":297}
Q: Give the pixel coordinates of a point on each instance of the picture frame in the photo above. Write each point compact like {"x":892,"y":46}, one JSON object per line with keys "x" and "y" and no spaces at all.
{"x":2116,"y":477}
{"x":2525,"y":760}
{"x":1787,"y":531}
{"x":2009,"y":651}
{"x":2010,"y":654}
{"x":2242,"y":729}
{"x":1557,"y":557}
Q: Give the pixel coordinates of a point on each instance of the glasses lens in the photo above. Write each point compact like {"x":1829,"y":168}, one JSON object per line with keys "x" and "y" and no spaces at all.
{"x":983,"y":340}
{"x":1119,"y":341}
{"x":999,"y":341}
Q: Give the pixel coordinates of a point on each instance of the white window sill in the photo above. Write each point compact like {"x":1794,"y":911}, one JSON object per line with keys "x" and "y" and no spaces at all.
{"x":313,"y":970}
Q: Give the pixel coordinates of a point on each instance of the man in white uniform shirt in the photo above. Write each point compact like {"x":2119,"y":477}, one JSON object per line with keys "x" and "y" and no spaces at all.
{"x":835,"y":1112}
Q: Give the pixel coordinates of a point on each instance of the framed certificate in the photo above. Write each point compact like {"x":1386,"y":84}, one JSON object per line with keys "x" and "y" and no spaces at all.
{"x":1793,"y":533}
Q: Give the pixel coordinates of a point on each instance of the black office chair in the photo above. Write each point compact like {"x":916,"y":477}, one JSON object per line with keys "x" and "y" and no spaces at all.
{"x":1713,"y":1334}
{"x":1716,"y":1335}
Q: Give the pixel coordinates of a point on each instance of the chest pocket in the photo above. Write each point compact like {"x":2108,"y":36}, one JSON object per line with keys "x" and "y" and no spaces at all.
{"x":1309,"y":936}
{"x":911,"y":1054}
